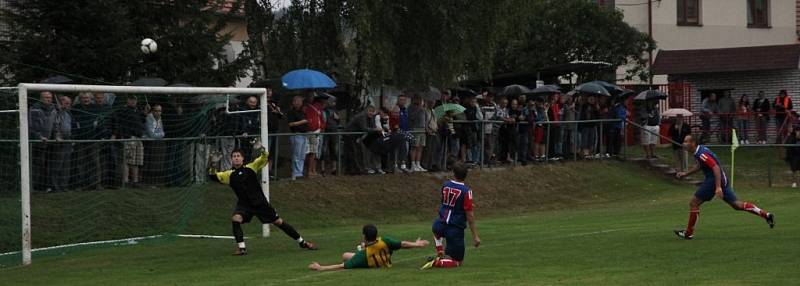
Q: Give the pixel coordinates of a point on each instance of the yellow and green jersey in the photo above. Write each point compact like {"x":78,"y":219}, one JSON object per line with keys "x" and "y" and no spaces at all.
{"x":375,"y":255}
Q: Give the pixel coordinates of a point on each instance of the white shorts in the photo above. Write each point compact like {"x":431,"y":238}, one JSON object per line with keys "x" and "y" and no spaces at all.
{"x":648,"y":138}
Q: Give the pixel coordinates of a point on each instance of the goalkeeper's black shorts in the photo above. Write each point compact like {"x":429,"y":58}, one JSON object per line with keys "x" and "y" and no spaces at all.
{"x":265,"y":212}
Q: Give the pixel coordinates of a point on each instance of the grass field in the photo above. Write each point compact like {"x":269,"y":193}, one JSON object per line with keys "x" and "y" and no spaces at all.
{"x":577,"y":223}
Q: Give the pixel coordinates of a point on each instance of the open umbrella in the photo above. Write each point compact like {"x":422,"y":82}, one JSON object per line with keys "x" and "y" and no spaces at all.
{"x":593,"y":88}
{"x":59,"y":79}
{"x":612,"y":89}
{"x":515,"y":89}
{"x":149,"y":81}
{"x":650,"y":95}
{"x":464,"y":92}
{"x":432,"y":94}
{"x":306,"y":79}
{"x":440,"y":110}
{"x":545,"y":90}
{"x":674,"y":112}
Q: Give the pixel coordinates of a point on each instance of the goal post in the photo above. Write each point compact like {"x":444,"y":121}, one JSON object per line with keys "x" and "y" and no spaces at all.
{"x":24,"y":141}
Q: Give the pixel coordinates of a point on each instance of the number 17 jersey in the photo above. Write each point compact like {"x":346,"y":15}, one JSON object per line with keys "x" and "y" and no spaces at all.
{"x":456,"y":202}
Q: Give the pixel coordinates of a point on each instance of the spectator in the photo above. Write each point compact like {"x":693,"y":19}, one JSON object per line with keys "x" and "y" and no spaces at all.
{"x":467,"y":132}
{"x":316,"y":123}
{"x":84,"y":117}
{"x":743,"y":115}
{"x":433,"y":149}
{"x":727,"y":110}
{"x":377,"y":128}
{"x":526,"y":151}
{"x":709,"y":109}
{"x":589,"y":111}
{"x":446,"y":98}
{"x":761,"y":108}
{"x":156,"y":150}
{"x":298,"y":124}
{"x":520,"y":130}
{"x":42,"y":117}
{"x":274,"y":117}
{"x":129,"y":124}
{"x":539,"y":130}
{"x":783,"y":105}
{"x":569,"y":113}
{"x":554,"y":116}
{"x":507,"y":132}
{"x":650,"y":133}
{"x":677,"y":132}
{"x":176,"y":126}
{"x":330,"y":146}
{"x":107,"y":172}
{"x":448,"y":138}
{"x":619,"y":112}
{"x":354,"y":149}
{"x":154,"y":127}
{"x":490,"y":112}
{"x":793,"y":154}
{"x":249,"y":125}
{"x":416,"y":122}
{"x":62,"y":130}
{"x":401,"y":124}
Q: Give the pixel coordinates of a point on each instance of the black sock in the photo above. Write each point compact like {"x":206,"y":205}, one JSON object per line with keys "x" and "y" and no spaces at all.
{"x":237,"y":231}
{"x":290,"y":231}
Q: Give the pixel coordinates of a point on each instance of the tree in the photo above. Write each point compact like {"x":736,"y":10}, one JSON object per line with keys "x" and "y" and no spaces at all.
{"x":97,"y":41}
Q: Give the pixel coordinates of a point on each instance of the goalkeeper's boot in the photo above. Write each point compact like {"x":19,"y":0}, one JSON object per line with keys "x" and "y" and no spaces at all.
{"x":308,"y":245}
{"x":682,"y":234}
{"x":771,"y":220}
{"x":430,"y":263}
{"x":240,"y":251}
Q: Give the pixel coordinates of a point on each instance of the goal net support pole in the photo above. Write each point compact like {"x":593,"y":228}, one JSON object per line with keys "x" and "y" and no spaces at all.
{"x":25,"y":180}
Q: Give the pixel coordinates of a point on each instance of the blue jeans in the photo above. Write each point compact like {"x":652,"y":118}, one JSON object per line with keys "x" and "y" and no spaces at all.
{"x":299,"y":148}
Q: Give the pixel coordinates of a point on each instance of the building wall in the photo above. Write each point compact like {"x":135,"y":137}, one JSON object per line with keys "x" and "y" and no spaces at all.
{"x":723,"y":25}
{"x":749,"y":83}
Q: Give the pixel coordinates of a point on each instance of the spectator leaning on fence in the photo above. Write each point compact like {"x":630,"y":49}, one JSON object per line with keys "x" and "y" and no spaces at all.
{"x":62,"y":130}
{"x":569,"y":113}
{"x":399,"y":123}
{"x":85,"y":118}
{"x":107,"y":159}
{"x":298,"y":125}
{"x":783,"y":105}
{"x":129,"y":124}
{"x":742,"y":118}
{"x":353,"y":149}
{"x":619,"y":112}
{"x":316,"y":123}
{"x":507,"y":133}
{"x":793,"y":154}
{"x":651,"y":121}
{"x":330,"y":146}
{"x":761,"y":108}
{"x":554,"y":116}
{"x":433,"y":149}
{"x":42,"y":117}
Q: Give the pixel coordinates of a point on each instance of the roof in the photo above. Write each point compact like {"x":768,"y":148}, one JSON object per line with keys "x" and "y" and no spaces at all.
{"x":727,"y":60}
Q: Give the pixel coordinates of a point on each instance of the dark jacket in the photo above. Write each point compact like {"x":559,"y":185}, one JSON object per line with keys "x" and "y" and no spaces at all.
{"x":84,"y":118}
{"x":678,"y":135}
{"x":41,"y":120}
{"x":128,"y":122}
{"x":762,"y":106}
{"x":250,"y":122}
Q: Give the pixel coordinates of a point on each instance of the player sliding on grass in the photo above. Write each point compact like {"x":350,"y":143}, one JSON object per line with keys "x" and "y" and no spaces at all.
{"x":374,"y":252}
{"x":455,"y":212}
{"x":244,"y":181}
{"x":715,"y":183}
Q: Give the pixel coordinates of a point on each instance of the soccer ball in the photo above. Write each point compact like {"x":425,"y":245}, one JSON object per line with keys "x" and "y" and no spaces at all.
{"x":149,"y":46}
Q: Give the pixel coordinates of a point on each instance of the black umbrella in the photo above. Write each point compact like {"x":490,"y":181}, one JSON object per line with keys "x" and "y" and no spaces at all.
{"x":59,"y":79}
{"x":592,"y":88}
{"x":650,"y":95}
{"x":612,"y":89}
{"x":515,"y":89}
{"x":149,"y":81}
{"x":545,"y":90}
{"x":432,"y":93}
{"x":464,"y":92}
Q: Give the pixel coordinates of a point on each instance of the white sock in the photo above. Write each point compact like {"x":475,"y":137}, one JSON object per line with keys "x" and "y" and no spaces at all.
{"x":241,"y":244}
{"x":437,"y":241}
{"x":300,"y":239}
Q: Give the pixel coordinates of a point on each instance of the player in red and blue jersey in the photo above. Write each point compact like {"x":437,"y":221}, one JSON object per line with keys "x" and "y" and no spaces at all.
{"x":715,"y":183}
{"x":455,"y":213}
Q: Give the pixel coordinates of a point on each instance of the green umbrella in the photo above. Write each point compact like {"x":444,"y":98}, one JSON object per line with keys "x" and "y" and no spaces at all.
{"x":444,"y":108}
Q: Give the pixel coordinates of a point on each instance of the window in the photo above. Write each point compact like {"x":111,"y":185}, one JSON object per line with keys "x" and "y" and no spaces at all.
{"x":758,"y":13}
{"x":689,"y":12}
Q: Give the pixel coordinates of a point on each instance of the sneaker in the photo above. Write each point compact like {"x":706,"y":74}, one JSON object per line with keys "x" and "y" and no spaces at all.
{"x":794,"y":185}
{"x":420,"y":169}
{"x":771,"y":220}
{"x":308,"y":245}
{"x":370,"y":172}
{"x":682,"y":234}
{"x":240,"y":251}
{"x":380,"y":171}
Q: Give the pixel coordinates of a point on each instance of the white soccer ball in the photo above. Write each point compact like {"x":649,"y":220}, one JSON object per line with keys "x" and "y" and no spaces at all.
{"x":149,"y":46}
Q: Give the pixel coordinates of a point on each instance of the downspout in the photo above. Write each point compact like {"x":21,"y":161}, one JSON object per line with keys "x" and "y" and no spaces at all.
{"x":650,"y":49}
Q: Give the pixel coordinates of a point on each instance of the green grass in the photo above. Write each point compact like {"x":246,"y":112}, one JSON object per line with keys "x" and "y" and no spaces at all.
{"x":580,"y":223}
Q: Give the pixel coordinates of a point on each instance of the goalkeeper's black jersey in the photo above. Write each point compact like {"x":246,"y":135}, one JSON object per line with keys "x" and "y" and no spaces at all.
{"x":245,"y":182}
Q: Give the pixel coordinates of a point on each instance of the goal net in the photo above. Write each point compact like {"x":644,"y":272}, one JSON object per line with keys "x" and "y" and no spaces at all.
{"x":88,"y":165}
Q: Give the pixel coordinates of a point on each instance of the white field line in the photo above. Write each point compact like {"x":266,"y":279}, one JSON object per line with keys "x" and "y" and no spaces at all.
{"x":121,"y":240}
{"x":315,"y":274}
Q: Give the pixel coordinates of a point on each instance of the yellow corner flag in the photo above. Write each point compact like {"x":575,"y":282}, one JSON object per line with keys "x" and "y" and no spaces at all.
{"x":734,"y":145}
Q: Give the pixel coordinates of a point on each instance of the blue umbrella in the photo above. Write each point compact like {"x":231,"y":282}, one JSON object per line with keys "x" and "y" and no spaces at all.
{"x":306,"y":79}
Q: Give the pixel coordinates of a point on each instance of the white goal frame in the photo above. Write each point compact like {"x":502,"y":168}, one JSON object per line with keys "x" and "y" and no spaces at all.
{"x":25,"y":182}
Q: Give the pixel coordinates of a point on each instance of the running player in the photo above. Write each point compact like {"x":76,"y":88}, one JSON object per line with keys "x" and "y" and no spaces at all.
{"x":245,"y":182}
{"x":374,"y":251}
{"x":715,"y":183}
{"x":455,"y":212}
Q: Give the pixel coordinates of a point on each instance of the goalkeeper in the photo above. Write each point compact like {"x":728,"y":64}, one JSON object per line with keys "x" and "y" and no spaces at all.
{"x":244,"y":181}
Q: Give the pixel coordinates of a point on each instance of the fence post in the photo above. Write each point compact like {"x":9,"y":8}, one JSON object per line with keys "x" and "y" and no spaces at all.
{"x":600,"y":141}
{"x":547,"y":144}
{"x":575,"y":142}
{"x":483,"y":144}
{"x":338,"y":154}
